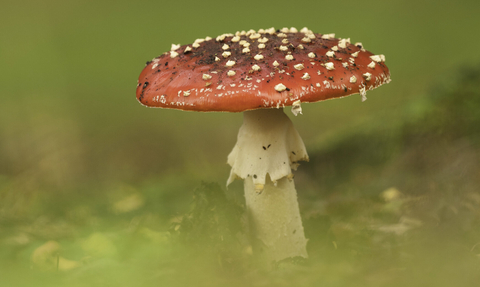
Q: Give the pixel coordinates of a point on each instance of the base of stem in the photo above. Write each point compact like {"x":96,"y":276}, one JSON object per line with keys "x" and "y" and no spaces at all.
{"x":276,"y":228}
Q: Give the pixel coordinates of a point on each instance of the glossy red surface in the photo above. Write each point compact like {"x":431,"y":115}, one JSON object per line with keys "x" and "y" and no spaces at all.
{"x":178,"y":82}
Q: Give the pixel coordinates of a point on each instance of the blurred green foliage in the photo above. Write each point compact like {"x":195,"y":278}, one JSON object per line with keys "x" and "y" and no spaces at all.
{"x":96,"y":190}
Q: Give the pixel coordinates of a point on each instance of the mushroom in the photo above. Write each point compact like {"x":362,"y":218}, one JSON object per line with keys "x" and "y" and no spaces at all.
{"x":260,"y":82}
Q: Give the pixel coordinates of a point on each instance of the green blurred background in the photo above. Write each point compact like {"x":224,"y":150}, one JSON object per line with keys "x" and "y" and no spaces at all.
{"x":97,"y":186}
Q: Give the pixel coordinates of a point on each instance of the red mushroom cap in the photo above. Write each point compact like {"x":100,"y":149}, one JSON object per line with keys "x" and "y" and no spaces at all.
{"x":259,"y":69}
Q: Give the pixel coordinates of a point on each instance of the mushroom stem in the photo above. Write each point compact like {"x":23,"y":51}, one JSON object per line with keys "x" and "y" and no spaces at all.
{"x":268,"y":148}
{"x":276,"y":230}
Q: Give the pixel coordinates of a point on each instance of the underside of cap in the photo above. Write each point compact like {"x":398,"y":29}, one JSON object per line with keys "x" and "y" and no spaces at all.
{"x":259,"y":69}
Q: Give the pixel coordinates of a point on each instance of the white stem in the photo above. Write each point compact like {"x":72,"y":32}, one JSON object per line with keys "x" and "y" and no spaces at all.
{"x":276,"y":229}
{"x":267,"y":149}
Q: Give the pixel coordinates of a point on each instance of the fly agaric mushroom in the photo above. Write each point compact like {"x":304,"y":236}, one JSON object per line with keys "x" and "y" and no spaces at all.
{"x":259,"y":73}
